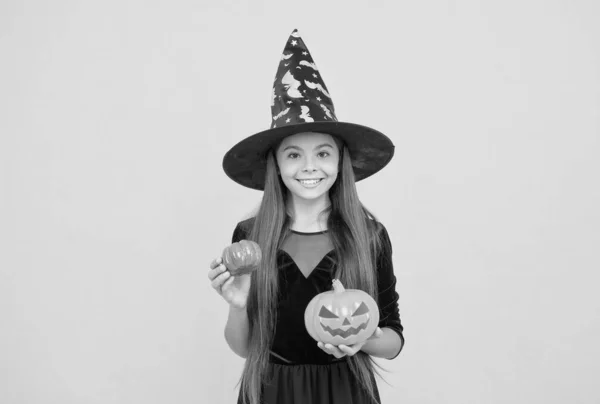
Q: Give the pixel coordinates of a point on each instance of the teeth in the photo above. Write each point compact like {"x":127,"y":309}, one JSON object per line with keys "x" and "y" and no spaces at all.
{"x":309,"y":182}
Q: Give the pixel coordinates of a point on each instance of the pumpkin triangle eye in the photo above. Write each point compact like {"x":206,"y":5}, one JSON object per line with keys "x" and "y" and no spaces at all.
{"x":362,"y":309}
{"x":324,"y":313}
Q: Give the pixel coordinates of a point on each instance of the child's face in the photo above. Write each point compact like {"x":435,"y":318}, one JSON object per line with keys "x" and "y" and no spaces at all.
{"x":308,"y":164}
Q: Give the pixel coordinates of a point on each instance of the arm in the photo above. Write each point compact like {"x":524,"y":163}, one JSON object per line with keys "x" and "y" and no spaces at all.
{"x":237,"y":331}
{"x":235,"y":290}
{"x":387,"y":345}
{"x":390,"y":341}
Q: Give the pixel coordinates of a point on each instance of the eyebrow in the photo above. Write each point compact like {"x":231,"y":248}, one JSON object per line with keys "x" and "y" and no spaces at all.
{"x":316,"y":147}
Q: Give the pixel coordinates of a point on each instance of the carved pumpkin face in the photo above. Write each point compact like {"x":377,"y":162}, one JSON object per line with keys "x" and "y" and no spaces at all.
{"x":341,"y":316}
{"x":242,"y":257}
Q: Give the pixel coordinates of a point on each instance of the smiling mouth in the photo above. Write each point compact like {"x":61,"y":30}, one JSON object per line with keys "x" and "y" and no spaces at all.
{"x":310,"y":182}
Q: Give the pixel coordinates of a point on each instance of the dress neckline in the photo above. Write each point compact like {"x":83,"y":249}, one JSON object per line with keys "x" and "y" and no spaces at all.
{"x":319,"y":265}
{"x":303,"y":233}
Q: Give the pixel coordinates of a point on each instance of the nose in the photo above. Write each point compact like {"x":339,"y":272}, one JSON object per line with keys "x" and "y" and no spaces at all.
{"x":309,"y":165}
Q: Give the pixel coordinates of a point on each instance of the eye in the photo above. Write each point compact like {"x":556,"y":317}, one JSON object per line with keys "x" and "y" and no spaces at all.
{"x":362,"y":309}
{"x":324,"y":313}
{"x":293,"y":155}
{"x":323,"y":154}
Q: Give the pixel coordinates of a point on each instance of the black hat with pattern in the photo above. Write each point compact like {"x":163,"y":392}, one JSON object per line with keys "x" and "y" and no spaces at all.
{"x":301,"y":103}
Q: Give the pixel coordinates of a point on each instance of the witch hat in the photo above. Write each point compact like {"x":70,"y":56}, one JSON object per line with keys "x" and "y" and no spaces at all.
{"x":301,"y":102}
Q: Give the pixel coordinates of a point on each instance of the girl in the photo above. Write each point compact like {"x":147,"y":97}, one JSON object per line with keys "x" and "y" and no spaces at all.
{"x":312,"y":228}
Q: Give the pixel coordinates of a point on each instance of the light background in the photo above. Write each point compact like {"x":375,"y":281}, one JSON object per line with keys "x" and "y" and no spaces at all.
{"x":115,"y":115}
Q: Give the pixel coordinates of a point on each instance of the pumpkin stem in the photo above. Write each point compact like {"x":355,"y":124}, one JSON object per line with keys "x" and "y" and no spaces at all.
{"x":337,"y":286}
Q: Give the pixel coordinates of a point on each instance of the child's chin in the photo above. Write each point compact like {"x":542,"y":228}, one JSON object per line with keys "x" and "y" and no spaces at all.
{"x":308,"y":196}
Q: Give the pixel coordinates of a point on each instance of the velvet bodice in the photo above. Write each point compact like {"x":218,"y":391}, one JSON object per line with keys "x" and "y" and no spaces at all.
{"x":297,"y":288}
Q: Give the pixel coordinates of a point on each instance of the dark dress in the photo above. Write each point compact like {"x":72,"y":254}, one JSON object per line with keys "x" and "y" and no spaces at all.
{"x":299,"y":371}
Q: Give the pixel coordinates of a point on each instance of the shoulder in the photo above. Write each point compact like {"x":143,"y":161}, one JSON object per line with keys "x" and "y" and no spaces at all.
{"x":243,"y":229}
{"x":380,"y":238}
{"x":378,"y":229}
{"x":376,"y":225}
{"x":246,"y":225}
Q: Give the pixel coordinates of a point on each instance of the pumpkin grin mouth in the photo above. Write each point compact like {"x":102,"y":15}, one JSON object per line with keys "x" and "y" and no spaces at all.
{"x":345,"y":333}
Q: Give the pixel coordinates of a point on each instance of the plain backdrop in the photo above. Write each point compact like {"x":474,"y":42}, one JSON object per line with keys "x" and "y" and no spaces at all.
{"x":115,"y":116}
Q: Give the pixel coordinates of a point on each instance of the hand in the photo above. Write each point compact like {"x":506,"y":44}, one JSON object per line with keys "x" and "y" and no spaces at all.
{"x":340,"y":351}
{"x":234,"y":289}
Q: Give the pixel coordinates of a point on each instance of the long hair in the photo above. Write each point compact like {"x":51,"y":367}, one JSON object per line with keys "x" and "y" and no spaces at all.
{"x":353,"y":234}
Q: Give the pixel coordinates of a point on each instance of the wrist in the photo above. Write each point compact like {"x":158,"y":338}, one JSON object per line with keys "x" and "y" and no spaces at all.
{"x":368,"y":346}
{"x":237,"y":310}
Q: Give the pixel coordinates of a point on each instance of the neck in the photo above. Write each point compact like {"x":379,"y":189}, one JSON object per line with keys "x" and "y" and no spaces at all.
{"x":307,"y":215}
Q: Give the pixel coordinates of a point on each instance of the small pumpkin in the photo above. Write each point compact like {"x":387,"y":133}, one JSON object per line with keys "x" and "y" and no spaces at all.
{"x":242,"y":257}
{"x":341,"y":316}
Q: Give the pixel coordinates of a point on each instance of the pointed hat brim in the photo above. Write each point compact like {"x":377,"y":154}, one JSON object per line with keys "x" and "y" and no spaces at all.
{"x":246,"y":162}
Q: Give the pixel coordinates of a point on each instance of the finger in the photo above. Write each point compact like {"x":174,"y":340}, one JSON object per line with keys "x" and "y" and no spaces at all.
{"x":377,"y":334}
{"x":219,"y":280}
{"x":352,"y":349}
{"x":335,"y":351}
{"x":348,"y":350}
{"x":218,"y":270}
{"x":214,"y":263}
{"x":324,"y":348}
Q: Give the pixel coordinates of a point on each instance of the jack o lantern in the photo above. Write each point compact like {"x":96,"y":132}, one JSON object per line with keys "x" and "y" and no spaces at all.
{"x":341,"y":316}
{"x":242,"y":257}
